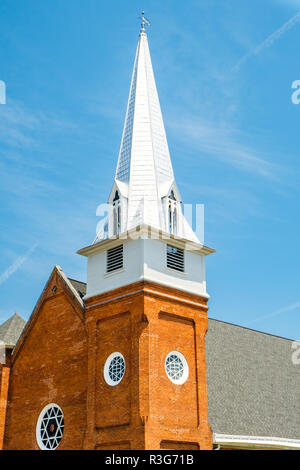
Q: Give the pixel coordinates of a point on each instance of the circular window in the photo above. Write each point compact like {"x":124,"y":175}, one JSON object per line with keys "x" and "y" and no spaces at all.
{"x":176,"y":367}
{"x":50,"y":427}
{"x":114,"y":368}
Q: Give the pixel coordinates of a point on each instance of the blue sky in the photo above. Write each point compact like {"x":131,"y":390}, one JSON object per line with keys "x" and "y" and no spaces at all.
{"x":224,"y":80}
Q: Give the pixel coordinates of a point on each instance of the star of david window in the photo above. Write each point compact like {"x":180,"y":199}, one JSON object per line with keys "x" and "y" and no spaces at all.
{"x":176,"y":367}
{"x":50,"y":427}
{"x":114,"y":368}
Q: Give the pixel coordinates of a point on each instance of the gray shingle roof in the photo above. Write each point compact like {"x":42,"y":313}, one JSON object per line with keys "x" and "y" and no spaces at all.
{"x":253,"y":386}
{"x":12,"y":329}
{"x":79,"y":286}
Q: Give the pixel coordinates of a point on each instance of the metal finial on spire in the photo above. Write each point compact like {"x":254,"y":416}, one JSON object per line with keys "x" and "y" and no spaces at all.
{"x":144,"y":21}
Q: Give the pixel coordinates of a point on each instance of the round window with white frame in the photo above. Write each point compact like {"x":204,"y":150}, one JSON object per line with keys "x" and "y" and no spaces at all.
{"x":50,"y":427}
{"x":114,"y":368}
{"x":176,"y":367}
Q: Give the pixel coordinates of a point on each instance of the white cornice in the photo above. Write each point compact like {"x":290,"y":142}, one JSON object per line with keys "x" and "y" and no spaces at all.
{"x":146,"y":232}
{"x":255,"y":442}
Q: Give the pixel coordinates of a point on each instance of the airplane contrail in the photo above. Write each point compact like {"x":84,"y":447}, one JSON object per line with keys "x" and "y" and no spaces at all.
{"x":16,"y":265}
{"x":289,"y":308}
{"x":270,"y":40}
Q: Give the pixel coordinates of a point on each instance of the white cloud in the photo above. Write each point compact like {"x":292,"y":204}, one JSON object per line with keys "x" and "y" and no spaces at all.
{"x":292,"y":3}
{"x":222,"y":143}
{"x":19,"y":125}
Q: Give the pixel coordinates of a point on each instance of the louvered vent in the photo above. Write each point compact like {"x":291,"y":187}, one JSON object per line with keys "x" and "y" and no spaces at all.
{"x":114,"y":259}
{"x":175,"y":258}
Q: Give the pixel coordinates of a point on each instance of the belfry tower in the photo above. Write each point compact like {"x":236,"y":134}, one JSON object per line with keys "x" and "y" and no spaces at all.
{"x":146,"y":301}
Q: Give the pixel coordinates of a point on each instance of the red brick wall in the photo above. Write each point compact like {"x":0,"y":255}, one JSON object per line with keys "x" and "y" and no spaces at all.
{"x":178,"y":413}
{"x":4,"y":383}
{"x":50,"y":366}
{"x":113,"y":412}
{"x":113,"y":403}
{"x":145,"y":322}
{"x":62,"y":358}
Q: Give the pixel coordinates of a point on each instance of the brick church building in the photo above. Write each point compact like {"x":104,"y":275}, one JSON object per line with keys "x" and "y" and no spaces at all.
{"x":129,"y":359}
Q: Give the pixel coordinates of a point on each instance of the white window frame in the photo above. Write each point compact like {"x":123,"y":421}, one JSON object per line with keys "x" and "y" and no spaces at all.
{"x":108,"y":361}
{"x":39,"y":426}
{"x":185,"y":374}
{"x":117,"y":217}
{"x":172,"y":217}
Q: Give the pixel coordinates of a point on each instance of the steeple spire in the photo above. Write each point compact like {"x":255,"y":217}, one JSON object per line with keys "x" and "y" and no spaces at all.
{"x":144,"y":180}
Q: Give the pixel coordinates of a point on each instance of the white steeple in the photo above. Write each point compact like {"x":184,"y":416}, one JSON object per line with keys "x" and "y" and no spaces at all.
{"x":145,"y":236}
{"x":144,"y":190}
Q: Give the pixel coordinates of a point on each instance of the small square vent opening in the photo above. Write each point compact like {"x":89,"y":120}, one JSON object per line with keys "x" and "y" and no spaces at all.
{"x":114,"y":259}
{"x":175,"y":258}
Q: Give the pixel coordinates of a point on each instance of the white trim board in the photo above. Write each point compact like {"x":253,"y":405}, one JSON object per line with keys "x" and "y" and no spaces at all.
{"x":246,"y":442}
